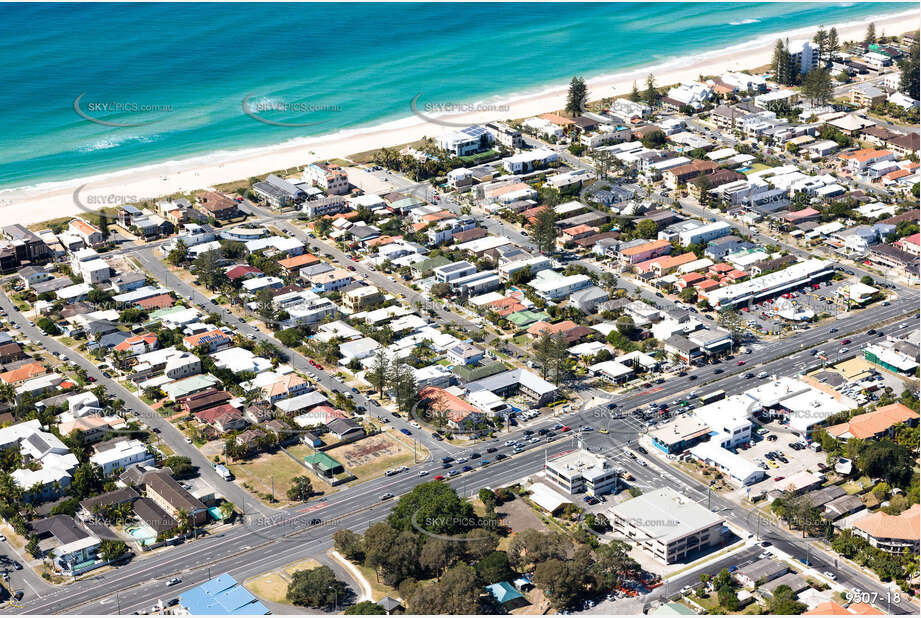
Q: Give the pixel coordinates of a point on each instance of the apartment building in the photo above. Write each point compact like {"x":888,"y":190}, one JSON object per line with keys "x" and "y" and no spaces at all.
{"x":683,"y":173}
{"x":328,"y":176}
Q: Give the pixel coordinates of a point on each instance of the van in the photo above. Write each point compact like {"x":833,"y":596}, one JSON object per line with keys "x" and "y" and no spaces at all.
{"x":762,"y":374}
{"x":222,"y":470}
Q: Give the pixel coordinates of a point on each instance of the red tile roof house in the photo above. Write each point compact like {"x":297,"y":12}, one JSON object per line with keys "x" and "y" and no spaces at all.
{"x":243,"y":272}
{"x":801,"y":216}
{"x":689,"y":279}
{"x":707,"y":284}
{"x":203,"y":400}
{"x":217,"y":205}
{"x":720,"y":269}
{"x":456,"y":412}
{"x":736,"y":275}
{"x":224,"y":418}
{"x":160,"y":301}
{"x":214,"y":339}
{"x":138,"y":344}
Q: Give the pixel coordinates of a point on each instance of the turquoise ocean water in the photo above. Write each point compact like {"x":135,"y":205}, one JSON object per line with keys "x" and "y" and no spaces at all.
{"x":173,"y":76}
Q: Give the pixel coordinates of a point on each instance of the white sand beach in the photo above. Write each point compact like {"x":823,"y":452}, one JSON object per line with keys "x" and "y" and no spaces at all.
{"x":52,"y":200}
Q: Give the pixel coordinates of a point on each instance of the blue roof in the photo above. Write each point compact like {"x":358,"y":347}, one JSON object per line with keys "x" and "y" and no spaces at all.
{"x":504,"y":592}
{"x":222,"y":596}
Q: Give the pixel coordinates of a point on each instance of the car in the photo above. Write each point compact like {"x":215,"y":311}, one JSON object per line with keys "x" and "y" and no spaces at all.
{"x":740,"y":363}
{"x":453,"y":473}
{"x":439,"y":477}
{"x":16,"y":565}
{"x":603,"y":431}
{"x":845,"y":341}
{"x":880,"y":333}
{"x":766,"y":543}
{"x":510,"y":443}
{"x":173,"y":581}
{"x":833,"y":330}
{"x":465,"y":469}
{"x":565,"y":428}
{"x":406,"y":432}
{"x":461,"y":460}
{"x":423,"y":472}
{"x":692,"y":377}
{"x":587,"y":428}
{"x":415,"y":424}
{"x":842,"y":351}
{"x":91,"y":379}
{"x":543,"y":432}
{"x":779,"y":478}
{"x":188,"y":440}
{"x":316,"y":521}
{"x":718,"y":370}
{"x":872,"y":331}
{"x":830,"y":575}
{"x":387,"y":496}
{"x":642,"y":450}
{"x":749,"y":376}
{"x":475,"y":455}
{"x":499,"y":457}
{"x":772,"y":438}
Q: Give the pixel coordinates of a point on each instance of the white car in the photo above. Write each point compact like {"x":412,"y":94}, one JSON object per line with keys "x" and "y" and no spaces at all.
{"x":830,"y":575}
{"x":416,"y":425}
{"x":423,"y":472}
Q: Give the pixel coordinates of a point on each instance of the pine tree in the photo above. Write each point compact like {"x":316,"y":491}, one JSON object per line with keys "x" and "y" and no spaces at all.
{"x":577,"y":98}
{"x":635,"y":93}
{"x":909,"y":68}
{"x":821,"y":40}
{"x":781,"y":63}
{"x":651,"y":94}
{"x":870,"y":37}
{"x":832,"y":44}
{"x":545,"y":231}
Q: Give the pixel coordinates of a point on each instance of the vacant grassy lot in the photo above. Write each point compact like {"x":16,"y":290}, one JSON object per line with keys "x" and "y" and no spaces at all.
{"x":259,"y":473}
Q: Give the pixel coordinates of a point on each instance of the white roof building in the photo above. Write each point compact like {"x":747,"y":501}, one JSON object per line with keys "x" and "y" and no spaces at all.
{"x":740,"y":470}
{"x":239,"y":360}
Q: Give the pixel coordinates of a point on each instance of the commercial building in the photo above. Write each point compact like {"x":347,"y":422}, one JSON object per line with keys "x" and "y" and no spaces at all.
{"x":769,"y":285}
{"x":891,"y":533}
{"x":666,"y":524}
{"x":221,"y":596}
{"x":581,"y":471}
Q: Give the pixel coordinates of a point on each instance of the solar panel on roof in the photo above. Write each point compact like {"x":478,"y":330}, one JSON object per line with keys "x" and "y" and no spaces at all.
{"x":473,"y":131}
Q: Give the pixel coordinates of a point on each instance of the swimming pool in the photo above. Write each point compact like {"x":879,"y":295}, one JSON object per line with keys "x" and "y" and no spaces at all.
{"x":144,"y":535}
{"x":742,"y":170}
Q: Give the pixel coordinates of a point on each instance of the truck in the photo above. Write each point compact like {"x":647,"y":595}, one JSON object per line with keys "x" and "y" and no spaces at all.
{"x":222,"y":470}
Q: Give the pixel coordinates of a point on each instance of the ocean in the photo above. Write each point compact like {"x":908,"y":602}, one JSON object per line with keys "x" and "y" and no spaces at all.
{"x":95,"y":88}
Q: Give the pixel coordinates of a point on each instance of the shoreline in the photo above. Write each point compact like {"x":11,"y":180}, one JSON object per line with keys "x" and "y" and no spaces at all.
{"x":51,"y":200}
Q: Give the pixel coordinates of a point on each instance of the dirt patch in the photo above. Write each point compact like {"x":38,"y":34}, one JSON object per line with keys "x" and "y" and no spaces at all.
{"x":369,"y":450}
{"x":518,"y":516}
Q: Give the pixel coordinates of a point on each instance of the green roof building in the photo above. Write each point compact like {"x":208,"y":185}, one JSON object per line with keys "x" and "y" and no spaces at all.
{"x":523,"y":319}
{"x":323,"y":464}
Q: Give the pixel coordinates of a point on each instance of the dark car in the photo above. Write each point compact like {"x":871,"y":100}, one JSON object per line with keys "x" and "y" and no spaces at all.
{"x":437,"y":436}
{"x":447,"y":459}
{"x":692,"y":377}
{"x":499,"y":457}
{"x":872,"y":331}
{"x":474,"y":455}
{"x":446,"y":465}
{"x":642,"y":450}
{"x":834,"y":330}
{"x":718,"y":370}
{"x":406,"y":432}
{"x":749,"y":376}
{"x":491,"y":449}
{"x":316,"y":521}
{"x":466,"y":468}
{"x":543,"y":432}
